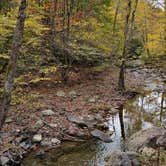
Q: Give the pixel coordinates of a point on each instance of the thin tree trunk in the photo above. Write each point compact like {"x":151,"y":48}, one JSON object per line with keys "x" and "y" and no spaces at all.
{"x":165,"y":28}
{"x":124,"y":53}
{"x":114,"y":48}
{"x":133,"y":20}
{"x":146,"y":33}
{"x":12,"y":67}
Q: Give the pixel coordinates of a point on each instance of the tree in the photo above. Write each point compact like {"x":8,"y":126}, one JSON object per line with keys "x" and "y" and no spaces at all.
{"x":124,"y":53}
{"x":12,"y":67}
{"x":114,"y":49}
{"x":128,"y":33}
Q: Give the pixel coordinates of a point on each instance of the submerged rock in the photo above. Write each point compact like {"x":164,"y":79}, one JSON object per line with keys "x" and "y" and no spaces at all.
{"x":101,"y":135}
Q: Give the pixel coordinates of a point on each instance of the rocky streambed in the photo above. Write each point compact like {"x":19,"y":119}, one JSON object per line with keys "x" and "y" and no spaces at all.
{"x":136,"y":134}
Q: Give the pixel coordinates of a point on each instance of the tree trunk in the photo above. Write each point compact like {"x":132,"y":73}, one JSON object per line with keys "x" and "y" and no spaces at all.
{"x":124,"y":53}
{"x":146,"y":34}
{"x":12,"y":67}
{"x":165,"y":28}
{"x":114,"y":47}
{"x":128,"y":34}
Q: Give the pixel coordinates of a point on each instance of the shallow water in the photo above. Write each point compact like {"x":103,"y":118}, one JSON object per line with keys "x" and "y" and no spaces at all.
{"x":144,"y":111}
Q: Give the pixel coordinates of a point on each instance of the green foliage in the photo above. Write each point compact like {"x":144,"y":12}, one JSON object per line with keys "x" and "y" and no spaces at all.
{"x":136,"y":48}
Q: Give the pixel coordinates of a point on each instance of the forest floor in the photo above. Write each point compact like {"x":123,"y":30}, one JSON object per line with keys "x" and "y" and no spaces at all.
{"x":43,"y":108}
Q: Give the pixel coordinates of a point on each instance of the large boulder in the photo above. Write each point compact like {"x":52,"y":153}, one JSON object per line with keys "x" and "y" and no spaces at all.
{"x":145,"y":139}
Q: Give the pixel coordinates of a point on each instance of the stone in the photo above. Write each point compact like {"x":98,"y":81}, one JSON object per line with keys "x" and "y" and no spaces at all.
{"x":53,"y":125}
{"x":135,"y":162}
{"x":46,"y":142}
{"x":5,"y":135}
{"x":101,"y":135}
{"x":55,"y":141}
{"x":26,"y":145}
{"x":73,"y":94}
{"x":61,"y":93}
{"x":92,"y":100}
{"x":39,"y":124}
{"x":125,"y":162}
{"x":148,"y":151}
{"x":119,"y":158}
{"x":76,"y":132}
{"x":75,"y":119}
{"x":48,"y":112}
{"x":4,"y":160}
{"x":88,"y":122}
{"x":8,"y":120}
{"x":37,"y":138}
{"x":40,"y":154}
{"x":161,"y":141}
{"x":144,"y":138}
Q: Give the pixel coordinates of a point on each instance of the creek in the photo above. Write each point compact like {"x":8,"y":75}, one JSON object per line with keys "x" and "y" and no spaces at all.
{"x":146,"y":110}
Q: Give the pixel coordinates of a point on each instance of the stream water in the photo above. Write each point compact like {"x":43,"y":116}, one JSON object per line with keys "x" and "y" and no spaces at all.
{"x":144,"y":111}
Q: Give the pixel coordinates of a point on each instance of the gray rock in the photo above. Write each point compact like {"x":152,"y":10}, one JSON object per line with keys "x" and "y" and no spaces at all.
{"x":88,"y":122}
{"x":73,"y":94}
{"x":48,"y":112}
{"x":4,"y":160}
{"x":39,"y":124}
{"x":5,"y":135}
{"x":161,"y":141}
{"x":37,"y":138}
{"x":61,"y":93}
{"x":135,"y":162}
{"x":8,"y":120}
{"x":53,"y":125}
{"x":55,"y":141}
{"x":125,"y":162}
{"x":144,"y":138}
{"x":119,"y":158}
{"x":26,"y":145}
{"x":46,"y":142}
{"x":101,"y":135}
{"x":92,"y":100}
{"x":75,"y":119}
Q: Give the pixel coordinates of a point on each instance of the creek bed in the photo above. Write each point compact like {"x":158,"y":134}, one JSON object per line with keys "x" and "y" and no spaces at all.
{"x":146,"y":110}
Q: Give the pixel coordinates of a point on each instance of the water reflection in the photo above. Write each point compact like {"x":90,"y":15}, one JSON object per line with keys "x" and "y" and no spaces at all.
{"x":121,"y":120}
